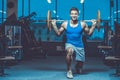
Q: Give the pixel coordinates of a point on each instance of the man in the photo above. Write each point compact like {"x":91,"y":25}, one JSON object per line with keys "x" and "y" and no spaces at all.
{"x":74,"y":44}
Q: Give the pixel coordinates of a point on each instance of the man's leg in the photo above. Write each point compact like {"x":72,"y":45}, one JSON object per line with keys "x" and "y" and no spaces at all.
{"x":79,"y":66}
{"x":80,"y":58}
{"x":69,"y":59}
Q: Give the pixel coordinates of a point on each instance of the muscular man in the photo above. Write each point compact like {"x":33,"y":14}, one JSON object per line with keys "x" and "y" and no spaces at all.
{"x":74,"y":43}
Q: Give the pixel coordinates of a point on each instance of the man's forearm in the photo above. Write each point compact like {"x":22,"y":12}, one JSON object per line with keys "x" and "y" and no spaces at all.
{"x":55,"y":28}
{"x":91,"y":29}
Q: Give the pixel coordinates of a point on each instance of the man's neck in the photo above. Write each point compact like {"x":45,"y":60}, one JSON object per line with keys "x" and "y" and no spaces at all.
{"x":74,"y":22}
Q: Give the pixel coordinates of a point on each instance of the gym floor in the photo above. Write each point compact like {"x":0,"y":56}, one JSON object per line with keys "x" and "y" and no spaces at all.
{"x":54,"y":68}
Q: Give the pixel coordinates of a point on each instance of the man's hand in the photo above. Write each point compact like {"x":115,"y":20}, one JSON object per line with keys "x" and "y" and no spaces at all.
{"x":94,"y":22}
{"x":53,"y":22}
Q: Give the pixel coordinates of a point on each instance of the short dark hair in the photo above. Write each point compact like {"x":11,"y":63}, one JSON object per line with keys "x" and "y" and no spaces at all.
{"x":74,"y":8}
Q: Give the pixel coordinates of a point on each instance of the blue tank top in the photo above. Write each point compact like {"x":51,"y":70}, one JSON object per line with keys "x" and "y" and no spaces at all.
{"x":74,"y":35}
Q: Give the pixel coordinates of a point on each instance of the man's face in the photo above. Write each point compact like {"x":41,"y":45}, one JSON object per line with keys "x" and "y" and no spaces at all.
{"x":74,"y":15}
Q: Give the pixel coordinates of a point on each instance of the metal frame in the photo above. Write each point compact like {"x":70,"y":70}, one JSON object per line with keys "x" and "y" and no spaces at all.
{"x":13,"y":36}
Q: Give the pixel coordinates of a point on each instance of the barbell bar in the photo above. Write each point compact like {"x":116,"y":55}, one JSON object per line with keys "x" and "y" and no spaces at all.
{"x":49,"y":20}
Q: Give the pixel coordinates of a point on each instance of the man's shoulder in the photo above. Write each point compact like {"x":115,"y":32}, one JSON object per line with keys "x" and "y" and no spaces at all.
{"x":64,"y":24}
{"x":82,"y":23}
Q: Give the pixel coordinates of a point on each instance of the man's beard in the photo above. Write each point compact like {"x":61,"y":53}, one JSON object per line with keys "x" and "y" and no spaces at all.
{"x":74,"y":19}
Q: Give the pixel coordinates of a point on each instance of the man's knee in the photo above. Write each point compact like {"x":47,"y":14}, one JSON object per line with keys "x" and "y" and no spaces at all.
{"x":69,"y":51}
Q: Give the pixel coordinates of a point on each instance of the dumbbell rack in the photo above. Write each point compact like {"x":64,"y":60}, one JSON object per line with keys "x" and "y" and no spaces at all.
{"x":13,"y":41}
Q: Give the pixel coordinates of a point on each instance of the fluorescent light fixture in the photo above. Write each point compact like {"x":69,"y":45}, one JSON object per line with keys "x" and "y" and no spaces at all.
{"x":81,"y":1}
{"x":49,"y":1}
{"x":2,"y":12}
{"x":117,"y":11}
{"x":54,"y":11}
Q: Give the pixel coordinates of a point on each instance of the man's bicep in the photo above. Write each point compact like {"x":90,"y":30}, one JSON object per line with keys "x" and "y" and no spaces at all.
{"x":61,"y":29}
{"x":63,"y":26}
{"x":85,"y":27}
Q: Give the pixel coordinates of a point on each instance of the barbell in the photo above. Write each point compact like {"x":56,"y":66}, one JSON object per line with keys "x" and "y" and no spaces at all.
{"x":49,"y":20}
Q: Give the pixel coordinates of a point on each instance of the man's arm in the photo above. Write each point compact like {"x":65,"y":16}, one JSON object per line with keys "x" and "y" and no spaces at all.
{"x":89,"y":31}
{"x":60,"y":30}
